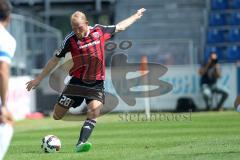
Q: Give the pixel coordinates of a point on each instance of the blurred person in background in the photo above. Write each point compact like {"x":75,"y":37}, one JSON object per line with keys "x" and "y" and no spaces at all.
{"x":237,"y":103}
{"x":7,"y":49}
{"x":210,"y":73}
{"x":86,"y":45}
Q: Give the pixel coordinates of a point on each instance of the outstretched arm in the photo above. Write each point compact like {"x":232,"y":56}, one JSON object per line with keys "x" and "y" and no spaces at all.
{"x":52,"y":63}
{"x":121,"y":26}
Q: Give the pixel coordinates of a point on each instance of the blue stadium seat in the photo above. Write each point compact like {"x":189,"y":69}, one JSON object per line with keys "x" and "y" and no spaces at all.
{"x":217,"y":19}
{"x":235,"y":18}
{"x":233,"y":53}
{"x":215,"y":36}
{"x":219,"y":51}
{"x":236,"y":4}
{"x":234,"y":35}
{"x":219,"y":4}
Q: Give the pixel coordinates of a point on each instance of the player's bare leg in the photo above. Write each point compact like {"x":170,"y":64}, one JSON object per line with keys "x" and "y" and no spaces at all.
{"x":94,"y":108}
{"x":59,"y":112}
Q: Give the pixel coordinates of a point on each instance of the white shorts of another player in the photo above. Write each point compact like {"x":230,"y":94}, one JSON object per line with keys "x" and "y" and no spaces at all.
{"x":6,"y":133}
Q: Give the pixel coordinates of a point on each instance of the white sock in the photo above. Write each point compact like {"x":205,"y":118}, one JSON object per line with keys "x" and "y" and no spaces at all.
{"x":6,"y":132}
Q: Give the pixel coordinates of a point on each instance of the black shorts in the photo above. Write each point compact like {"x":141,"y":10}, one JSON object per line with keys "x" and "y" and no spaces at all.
{"x":77,"y":90}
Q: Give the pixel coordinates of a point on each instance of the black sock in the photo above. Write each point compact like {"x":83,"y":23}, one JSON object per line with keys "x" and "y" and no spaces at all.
{"x":86,"y":130}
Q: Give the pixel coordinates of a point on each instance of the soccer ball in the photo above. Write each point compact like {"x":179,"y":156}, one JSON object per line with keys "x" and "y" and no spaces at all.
{"x":51,"y":144}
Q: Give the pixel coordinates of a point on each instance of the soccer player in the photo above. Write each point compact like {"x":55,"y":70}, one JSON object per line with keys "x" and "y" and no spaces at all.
{"x":7,"y":49}
{"x":86,"y":45}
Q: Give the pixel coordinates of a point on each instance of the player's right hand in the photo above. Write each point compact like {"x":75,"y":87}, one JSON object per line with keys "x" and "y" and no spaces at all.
{"x":32,"y":84}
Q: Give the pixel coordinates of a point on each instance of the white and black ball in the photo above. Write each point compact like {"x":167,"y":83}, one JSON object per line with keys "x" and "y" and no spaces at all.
{"x":51,"y":144}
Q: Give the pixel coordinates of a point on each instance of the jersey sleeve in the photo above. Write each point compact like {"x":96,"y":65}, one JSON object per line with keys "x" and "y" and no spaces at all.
{"x":7,"y":51}
{"x":108,"y":31}
{"x":65,"y":47}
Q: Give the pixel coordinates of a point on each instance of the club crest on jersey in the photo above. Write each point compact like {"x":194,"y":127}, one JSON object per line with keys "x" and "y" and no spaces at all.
{"x":96,"y":34}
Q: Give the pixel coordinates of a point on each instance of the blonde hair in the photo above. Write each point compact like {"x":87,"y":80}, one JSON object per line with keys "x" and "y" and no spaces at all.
{"x":78,"y":14}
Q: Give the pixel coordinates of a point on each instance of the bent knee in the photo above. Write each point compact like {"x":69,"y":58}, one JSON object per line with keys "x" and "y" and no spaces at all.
{"x":95,"y":112}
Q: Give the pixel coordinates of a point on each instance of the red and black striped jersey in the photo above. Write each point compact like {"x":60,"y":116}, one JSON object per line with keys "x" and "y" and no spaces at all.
{"x":88,"y":52}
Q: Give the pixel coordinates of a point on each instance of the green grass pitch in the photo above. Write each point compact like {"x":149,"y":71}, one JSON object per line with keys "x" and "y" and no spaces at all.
{"x":203,"y":136}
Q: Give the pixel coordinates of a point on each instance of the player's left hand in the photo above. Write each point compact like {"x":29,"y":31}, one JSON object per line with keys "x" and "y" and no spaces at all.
{"x":6,"y":116}
{"x":140,"y":12}
{"x":32,"y":84}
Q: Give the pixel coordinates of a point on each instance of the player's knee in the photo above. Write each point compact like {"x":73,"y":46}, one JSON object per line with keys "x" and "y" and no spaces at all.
{"x":95,"y":112}
{"x":94,"y":109}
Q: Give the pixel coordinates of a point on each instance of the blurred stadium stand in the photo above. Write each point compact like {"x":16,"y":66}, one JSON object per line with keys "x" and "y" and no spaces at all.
{"x":219,"y":4}
{"x":56,"y":12}
{"x":235,"y":18}
{"x":233,"y":52}
{"x":217,"y":19}
{"x":36,"y":42}
{"x":223,"y":29}
{"x":165,"y":24}
{"x":236,"y":4}
{"x":178,"y":23}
